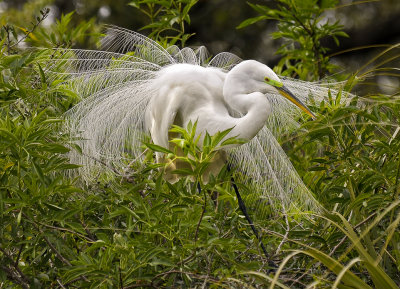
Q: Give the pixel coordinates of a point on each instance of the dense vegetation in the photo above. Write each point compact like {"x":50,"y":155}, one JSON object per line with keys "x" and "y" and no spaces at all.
{"x":139,"y":231}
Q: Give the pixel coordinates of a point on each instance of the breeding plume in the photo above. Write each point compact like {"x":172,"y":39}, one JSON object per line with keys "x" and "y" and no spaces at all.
{"x":135,"y":88}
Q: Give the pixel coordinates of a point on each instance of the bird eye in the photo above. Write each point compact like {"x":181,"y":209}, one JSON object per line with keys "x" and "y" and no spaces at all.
{"x":273,"y":82}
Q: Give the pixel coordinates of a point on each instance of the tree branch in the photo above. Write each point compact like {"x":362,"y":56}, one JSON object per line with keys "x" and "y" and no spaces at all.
{"x":13,"y":276}
{"x":23,"y":277}
{"x":45,"y":13}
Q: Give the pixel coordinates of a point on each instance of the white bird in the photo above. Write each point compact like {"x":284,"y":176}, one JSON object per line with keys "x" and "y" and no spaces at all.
{"x":208,"y":96}
{"x":135,"y":87}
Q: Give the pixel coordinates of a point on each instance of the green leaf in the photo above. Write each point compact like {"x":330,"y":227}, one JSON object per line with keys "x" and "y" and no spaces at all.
{"x":9,"y":135}
{"x":349,"y":279}
{"x":251,"y":21}
{"x":38,"y":171}
{"x":42,"y":75}
{"x":217,"y":138}
{"x":180,"y":142}
{"x":207,"y":140}
{"x":342,"y":34}
{"x":134,"y":4}
{"x":233,"y":140}
{"x":262,"y":9}
{"x":184,"y":172}
{"x":158,"y":148}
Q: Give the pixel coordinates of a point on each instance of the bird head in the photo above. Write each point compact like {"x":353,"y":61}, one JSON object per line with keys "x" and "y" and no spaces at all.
{"x":251,"y":76}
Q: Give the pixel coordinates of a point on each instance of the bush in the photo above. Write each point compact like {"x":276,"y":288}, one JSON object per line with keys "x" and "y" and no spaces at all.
{"x":138,"y":230}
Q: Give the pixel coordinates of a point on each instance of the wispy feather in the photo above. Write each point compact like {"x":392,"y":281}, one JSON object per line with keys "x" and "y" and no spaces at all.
{"x":117,"y":84}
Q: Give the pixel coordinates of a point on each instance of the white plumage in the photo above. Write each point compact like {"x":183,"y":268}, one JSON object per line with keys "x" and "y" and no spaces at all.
{"x":135,"y":87}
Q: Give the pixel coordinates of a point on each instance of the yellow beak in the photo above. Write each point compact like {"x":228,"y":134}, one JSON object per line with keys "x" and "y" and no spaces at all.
{"x":286,"y":93}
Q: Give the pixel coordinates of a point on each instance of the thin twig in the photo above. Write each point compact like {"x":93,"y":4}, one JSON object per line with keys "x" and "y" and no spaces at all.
{"x":317,"y":264}
{"x":45,"y":13}
{"x":58,"y":254}
{"x":12,"y":275}
{"x":187,"y":259}
{"x":339,"y":244}
{"x":19,"y":255}
{"x":285,"y":237}
{"x":355,"y":227}
{"x":7,"y":29}
{"x":92,"y":237}
{"x":59,"y":283}
{"x":62,"y":229}
{"x":121,"y":283}
{"x":141,"y":285}
{"x":194,"y":275}
{"x":15,"y":265}
{"x":202,"y":213}
{"x":52,"y":247}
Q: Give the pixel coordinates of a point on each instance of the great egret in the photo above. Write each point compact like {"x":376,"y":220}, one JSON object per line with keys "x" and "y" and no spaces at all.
{"x":207,"y":95}
{"x":135,"y":87}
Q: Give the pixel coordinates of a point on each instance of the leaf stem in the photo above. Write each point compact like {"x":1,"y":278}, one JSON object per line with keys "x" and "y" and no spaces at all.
{"x":202,"y":213}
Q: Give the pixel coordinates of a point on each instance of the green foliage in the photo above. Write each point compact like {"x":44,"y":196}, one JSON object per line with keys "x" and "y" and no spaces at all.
{"x":138,"y":230}
{"x":186,"y":150}
{"x":352,"y":152}
{"x":350,"y":157}
{"x":9,"y":33}
{"x":167,"y":19}
{"x":33,"y":163}
{"x":366,"y":259}
{"x":302,"y":25}
{"x":61,"y":34}
{"x":120,"y":232}
{"x":64,"y":34}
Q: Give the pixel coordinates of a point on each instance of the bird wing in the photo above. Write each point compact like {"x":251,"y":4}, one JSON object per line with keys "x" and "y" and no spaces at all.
{"x":224,"y":60}
{"x":161,"y":114}
{"x":117,"y":88}
{"x":124,"y":41}
{"x":267,"y":169}
{"x":110,"y":126}
{"x":263,"y":162}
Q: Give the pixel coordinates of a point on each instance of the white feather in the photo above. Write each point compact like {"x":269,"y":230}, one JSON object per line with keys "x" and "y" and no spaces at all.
{"x":119,"y":86}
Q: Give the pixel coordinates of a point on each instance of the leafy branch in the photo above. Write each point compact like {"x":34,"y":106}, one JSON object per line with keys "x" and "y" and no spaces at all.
{"x":167,"y":18}
{"x":302,"y":25}
{"x":9,"y":29}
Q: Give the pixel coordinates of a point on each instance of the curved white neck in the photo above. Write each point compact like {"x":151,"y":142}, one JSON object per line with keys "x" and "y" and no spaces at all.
{"x":255,"y":109}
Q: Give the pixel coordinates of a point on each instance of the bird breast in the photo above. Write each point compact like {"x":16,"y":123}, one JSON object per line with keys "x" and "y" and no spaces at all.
{"x":189,"y":93}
